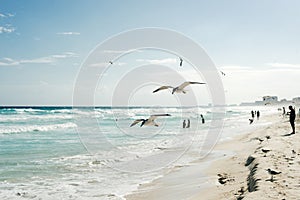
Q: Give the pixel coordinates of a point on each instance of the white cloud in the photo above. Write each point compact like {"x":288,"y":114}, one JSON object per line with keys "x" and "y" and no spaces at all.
{"x":99,"y":64}
{"x":7,"y":29}
{"x":41,"y":60}
{"x":68,"y":33}
{"x":65,"y":55}
{"x":244,"y":83}
{"x":114,"y":51}
{"x":10,"y":15}
{"x":6,"y":15}
{"x":235,"y":67}
{"x":264,"y":67}
{"x":121,"y":51}
{"x":159,"y":61}
{"x":107,"y":64}
{"x":284,"y":65}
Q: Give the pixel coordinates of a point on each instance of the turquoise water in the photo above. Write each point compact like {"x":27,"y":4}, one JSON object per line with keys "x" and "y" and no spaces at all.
{"x":86,"y":153}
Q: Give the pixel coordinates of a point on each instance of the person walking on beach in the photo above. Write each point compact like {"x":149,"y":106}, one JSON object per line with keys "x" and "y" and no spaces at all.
{"x":258,"y":114}
{"x":183,"y":124}
{"x":292,"y":118}
{"x":188,"y":123}
{"x":252,"y":114}
{"x":283,"y":111}
{"x":202,"y":118}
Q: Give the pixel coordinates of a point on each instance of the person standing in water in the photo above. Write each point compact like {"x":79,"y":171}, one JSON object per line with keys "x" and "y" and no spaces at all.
{"x":188,"y":123}
{"x":292,"y":118}
{"x":252,"y":114}
{"x":258,"y":114}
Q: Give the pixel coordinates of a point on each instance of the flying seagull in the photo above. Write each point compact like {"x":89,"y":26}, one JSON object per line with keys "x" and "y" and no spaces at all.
{"x":180,"y":64}
{"x":179,"y":88}
{"x":250,"y":121}
{"x":223,"y":73}
{"x":150,"y":121}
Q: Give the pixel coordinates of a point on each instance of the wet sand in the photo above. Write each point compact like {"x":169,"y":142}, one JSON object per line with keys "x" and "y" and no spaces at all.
{"x":241,"y":173}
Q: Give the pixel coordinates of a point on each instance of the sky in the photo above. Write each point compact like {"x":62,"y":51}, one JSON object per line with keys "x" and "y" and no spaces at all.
{"x":43,"y":45}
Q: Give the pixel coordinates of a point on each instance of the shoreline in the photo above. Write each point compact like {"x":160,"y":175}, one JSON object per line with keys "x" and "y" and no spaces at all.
{"x":229,"y":169}
{"x":245,"y":175}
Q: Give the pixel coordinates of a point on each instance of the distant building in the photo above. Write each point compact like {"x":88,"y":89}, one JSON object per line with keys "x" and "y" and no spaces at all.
{"x":270,"y":99}
{"x":259,"y":103}
{"x":247,"y":104}
{"x":296,"y":100}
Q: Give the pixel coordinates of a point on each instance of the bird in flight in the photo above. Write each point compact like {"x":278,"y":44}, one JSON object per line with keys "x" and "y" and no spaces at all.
{"x":178,"y":89}
{"x":181,"y":60}
{"x":150,"y":121}
{"x":223,"y":73}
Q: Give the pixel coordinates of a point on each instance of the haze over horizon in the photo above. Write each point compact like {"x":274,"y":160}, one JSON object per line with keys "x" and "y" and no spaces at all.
{"x":43,"y":44}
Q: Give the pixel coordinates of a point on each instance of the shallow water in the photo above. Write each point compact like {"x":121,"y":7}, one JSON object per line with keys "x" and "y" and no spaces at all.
{"x":92,"y":153}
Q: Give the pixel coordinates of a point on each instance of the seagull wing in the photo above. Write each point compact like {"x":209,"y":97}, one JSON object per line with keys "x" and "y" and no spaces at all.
{"x":162,"y":88}
{"x":136,"y":122}
{"x":183,"y":85}
{"x":153,"y":117}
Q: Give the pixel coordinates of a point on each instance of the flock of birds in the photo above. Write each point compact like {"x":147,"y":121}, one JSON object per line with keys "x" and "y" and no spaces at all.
{"x":179,"y":89}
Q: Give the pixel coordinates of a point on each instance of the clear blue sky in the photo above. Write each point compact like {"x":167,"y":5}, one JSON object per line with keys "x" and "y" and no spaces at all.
{"x":43,"y":43}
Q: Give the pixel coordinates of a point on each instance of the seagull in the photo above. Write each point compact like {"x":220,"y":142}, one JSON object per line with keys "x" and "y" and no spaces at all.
{"x":272,"y":172}
{"x":180,"y":64}
{"x":260,"y":140}
{"x":265,"y":150}
{"x":150,"y":121}
{"x":223,"y":73}
{"x":179,"y":88}
{"x":251,"y":121}
{"x":110,"y":62}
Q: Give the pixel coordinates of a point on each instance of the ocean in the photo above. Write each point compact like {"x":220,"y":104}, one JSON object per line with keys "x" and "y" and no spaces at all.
{"x":93,"y":153}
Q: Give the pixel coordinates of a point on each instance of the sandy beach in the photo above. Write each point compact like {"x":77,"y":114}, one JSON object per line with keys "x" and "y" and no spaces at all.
{"x":241,"y":173}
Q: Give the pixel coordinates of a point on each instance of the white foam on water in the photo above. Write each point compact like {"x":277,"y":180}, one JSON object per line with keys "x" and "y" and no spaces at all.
{"x":33,"y":128}
{"x":103,"y":175}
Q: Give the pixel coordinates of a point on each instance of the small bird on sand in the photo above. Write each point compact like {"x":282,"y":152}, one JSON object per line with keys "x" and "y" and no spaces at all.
{"x":148,"y":122}
{"x":260,"y":140}
{"x":265,"y":150}
{"x":110,"y":62}
{"x":223,"y":73}
{"x":272,"y":173}
{"x":178,"y":89}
